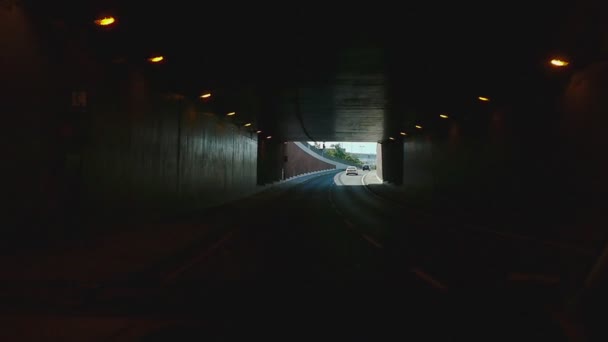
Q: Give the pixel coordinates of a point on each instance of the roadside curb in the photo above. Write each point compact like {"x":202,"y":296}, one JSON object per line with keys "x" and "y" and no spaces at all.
{"x":375,"y":194}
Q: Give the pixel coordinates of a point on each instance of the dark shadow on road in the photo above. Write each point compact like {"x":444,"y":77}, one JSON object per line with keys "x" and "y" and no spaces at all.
{"x":321,"y":260}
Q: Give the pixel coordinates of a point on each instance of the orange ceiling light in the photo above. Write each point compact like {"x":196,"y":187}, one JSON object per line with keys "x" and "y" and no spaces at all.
{"x":156,"y":59}
{"x":560,"y":63}
{"x":105,"y":21}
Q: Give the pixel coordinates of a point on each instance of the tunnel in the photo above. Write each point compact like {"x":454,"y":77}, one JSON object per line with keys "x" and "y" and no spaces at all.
{"x":174,"y":153}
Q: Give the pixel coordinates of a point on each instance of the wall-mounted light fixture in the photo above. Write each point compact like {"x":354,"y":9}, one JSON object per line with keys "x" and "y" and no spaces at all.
{"x":156,"y":59}
{"x":559,"y":63}
{"x":105,"y":21}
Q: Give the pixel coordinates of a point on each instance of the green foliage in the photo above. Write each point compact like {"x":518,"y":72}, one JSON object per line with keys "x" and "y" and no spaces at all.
{"x":339,"y":152}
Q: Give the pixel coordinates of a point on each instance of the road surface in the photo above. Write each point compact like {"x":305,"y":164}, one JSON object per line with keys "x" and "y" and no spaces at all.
{"x":328,"y":259}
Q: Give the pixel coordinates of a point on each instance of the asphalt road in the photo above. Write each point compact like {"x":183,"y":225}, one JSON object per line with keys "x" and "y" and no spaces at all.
{"x":329,"y":259}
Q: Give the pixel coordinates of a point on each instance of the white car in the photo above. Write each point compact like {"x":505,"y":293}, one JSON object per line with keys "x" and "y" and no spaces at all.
{"x":351,"y":170}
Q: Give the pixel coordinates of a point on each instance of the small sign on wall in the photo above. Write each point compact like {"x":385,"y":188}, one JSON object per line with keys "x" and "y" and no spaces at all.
{"x":79,"y":99}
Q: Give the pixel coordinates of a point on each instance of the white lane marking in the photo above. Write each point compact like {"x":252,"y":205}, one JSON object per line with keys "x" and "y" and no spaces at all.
{"x":383,"y":199}
{"x":426,"y":277}
{"x":363,"y":178}
{"x":338,"y":178}
{"x":198,"y":258}
{"x":372,"y":241}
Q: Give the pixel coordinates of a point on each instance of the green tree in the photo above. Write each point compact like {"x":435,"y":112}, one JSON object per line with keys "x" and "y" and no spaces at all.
{"x":339,"y":152}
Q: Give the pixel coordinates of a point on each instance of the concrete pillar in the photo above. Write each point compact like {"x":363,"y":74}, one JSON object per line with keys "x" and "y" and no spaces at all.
{"x":379,"y":168}
{"x":270,"y":160}
{"x":391,"y":162}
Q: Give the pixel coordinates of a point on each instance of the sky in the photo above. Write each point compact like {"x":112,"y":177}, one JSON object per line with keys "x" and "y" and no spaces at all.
{"x":353,"y":146}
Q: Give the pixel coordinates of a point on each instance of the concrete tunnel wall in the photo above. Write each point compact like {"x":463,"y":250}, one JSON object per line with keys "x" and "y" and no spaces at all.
{"x":169,"y":155}
{"x":129,"y":148}
{"x":379,"y":169}
{"x":585,"y":144}
{"x":545,"y":162}
{"x":389,"y":162}
{"x":32,"y":106}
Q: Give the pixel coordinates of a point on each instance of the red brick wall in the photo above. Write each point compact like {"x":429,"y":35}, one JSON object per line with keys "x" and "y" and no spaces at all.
{"x":299,"y":162}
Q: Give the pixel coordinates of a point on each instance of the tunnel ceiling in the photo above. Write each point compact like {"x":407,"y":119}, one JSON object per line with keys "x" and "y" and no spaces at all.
{"x":349,"y":73}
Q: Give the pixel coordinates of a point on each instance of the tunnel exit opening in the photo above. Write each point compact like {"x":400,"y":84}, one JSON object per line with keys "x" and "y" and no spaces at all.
{"x":280,"y":161}
{"x":349,"y":153}
{"x":356,"y":160}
